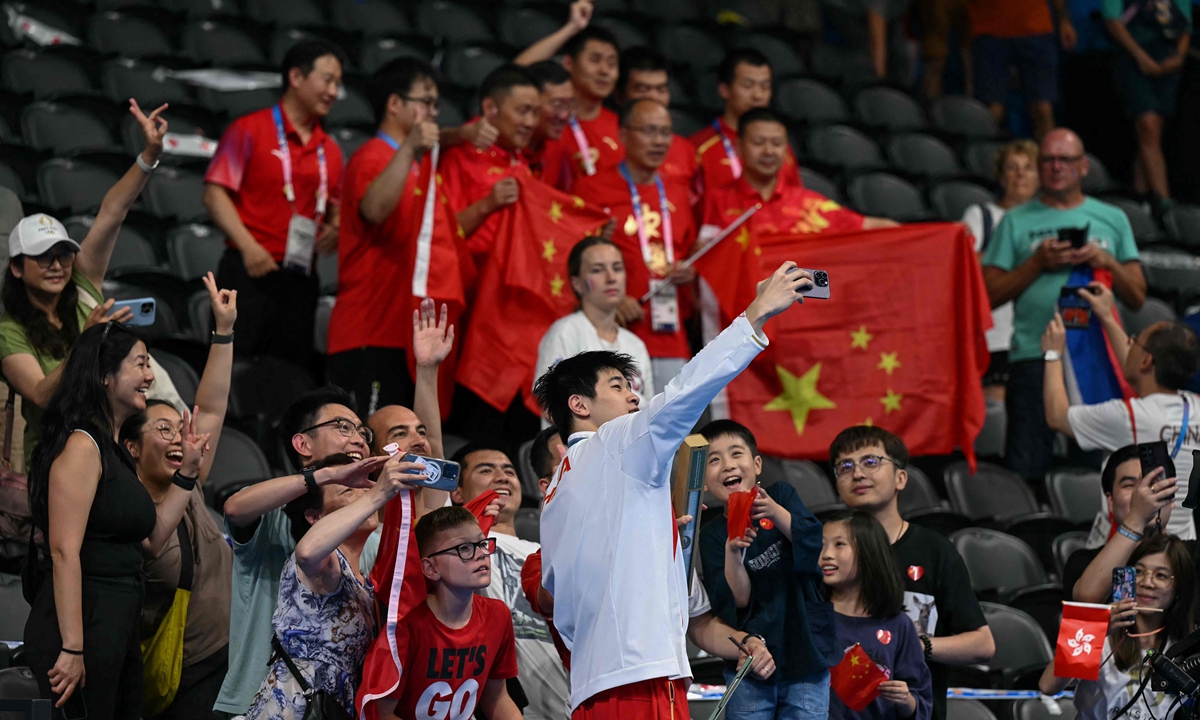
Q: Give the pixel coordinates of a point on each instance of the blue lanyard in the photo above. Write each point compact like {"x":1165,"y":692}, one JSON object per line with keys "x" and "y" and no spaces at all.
{"x":1183,"y":431}
{"x":389,"y":140}
{"x":643,"y":238}
{"x":285,"y":158}
{"x":735,"y":163}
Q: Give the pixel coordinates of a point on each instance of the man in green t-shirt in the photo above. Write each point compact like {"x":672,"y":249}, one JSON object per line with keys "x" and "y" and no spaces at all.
{"x":1028,"y":264}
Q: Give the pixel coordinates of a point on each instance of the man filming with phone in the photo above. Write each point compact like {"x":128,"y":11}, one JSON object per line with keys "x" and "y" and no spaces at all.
{"x":1036,"y":249}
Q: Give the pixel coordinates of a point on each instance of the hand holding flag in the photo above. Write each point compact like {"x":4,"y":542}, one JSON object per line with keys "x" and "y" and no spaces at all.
{"x":857,"y":679}
{"x":485,"y":508}
{"x":738,"y":513}
{"x":1079,"y":650}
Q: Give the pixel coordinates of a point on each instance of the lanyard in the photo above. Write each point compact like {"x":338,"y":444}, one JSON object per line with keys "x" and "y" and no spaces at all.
{"x":667,"y":234}
{"x":285,"y":157}
{"x":585,"y":150}
{"x":1183,"y":431}
{"x":395,"y":146}
{"x":735,"y":163}
{"x":420,"y":282}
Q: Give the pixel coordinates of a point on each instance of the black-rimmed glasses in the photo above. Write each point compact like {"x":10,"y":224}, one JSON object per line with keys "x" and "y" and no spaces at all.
{"x":467,"y":551}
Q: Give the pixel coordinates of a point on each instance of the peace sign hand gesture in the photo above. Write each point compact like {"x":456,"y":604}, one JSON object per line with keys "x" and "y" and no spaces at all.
{"x":224,"y":305}
{"x":154,"y":128}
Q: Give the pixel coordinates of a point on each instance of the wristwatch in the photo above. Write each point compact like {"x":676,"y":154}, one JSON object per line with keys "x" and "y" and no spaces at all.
{"x":310,"y":481}
{"x":1052,"y":356}
{"x":221,"y":339}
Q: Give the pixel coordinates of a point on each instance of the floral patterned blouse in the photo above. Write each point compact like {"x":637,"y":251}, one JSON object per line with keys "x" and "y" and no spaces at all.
{"x":327,"y":637}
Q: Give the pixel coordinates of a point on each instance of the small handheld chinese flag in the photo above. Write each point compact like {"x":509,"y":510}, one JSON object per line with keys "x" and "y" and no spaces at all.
{"x":478,"y":505}
{"x":1077,"y":654}
{"x":856,"y":679}
{"x":738,"y":511}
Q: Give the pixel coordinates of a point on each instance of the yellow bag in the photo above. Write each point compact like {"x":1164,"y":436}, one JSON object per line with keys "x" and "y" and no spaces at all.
{"x":162,"y":654}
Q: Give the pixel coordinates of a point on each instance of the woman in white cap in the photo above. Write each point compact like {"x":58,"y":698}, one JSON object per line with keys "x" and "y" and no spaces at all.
{"x":48,"y":276}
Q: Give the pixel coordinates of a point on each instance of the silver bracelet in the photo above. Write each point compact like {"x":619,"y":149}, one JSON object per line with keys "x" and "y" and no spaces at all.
{"x":143,"y":166}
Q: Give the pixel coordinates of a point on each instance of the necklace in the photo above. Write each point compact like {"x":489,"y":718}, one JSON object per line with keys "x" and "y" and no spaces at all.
{"x":903,"y":527}
{"x":1145,"y":634}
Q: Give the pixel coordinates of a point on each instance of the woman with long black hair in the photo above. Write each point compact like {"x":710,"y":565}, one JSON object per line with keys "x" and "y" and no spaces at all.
{"x":97,"y":520}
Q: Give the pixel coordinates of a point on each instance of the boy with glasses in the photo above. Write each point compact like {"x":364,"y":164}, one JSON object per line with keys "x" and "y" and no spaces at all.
{"x":457,"y":647}
{"x":869,"y":464}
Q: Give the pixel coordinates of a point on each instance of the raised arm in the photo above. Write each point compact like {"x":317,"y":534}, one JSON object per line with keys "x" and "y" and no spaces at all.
{"x":1054,"y":385}
{"x":384,"y":192}
{"x":96,"y":250}
{"x":246,"y":506}
{"x":433,"y":339}
{"x":212,"y":396}
{"x":169,"y":511}
{"x":547,"y":47}
{"x":503,"y":194}
{"x":712,"y":636}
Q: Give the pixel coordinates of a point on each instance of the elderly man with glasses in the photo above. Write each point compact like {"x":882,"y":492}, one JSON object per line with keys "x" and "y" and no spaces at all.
{"x":1030,"y":260}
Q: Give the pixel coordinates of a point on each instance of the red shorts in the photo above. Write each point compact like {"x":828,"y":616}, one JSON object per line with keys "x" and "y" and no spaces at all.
{"x":657,"y":699}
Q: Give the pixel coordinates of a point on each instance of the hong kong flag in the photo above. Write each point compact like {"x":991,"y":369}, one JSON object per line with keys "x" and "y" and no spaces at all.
{"x":856,"y":679}
{"x":1081,"y":640}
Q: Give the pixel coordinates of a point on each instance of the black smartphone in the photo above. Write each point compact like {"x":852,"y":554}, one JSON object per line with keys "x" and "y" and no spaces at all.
{"x":1193,"y":482}
{"x":1078,"y":237}
{"x":75,"y":708}
{"x":1075,"y":311}
{"x":1124,"y":583}
{"x":1154,"y":455}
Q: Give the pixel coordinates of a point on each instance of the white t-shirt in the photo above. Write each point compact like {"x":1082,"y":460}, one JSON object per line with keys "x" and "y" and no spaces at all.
{"x":574,"y":334}
{"x":1099,"y":699}
{"x":999,"y":338}
{"x":1105,"y":426}
{"x":542,"y":675}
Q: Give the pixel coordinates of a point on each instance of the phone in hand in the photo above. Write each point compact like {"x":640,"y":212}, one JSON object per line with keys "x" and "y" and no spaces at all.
{"x":1193,"y":482}
{"x":143,"y":311}
{"x":439,"y":474}
{"x":75,"y":708}
{"x":1154,"y":455}
{"x":1124,"y":583}
{"x":820,"y":286}
{"x":1075,"y":311}
{"x":1078,"y":237}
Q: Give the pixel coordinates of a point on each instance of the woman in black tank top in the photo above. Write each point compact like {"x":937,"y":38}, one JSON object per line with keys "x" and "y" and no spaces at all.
{"x":97,"y":520}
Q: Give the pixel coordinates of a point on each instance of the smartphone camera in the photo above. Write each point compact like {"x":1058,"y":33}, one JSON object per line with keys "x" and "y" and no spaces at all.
{"x":147,"y":308}
{"x":821,"y":278}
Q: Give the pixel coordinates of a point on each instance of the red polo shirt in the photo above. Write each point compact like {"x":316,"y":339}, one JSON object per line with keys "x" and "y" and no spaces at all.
{"x":609,"y":190}
{"x":714,"y":163}
{"x":469,"y":173}
{"x":248,"y":164}
{"x":372,"y":301}
{"x":603,"y":138}
{"x":680,"y":165}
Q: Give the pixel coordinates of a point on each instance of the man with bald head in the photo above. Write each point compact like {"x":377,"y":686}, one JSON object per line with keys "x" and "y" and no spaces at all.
{"x":654,"y":230}
{"x":1027,"y":263}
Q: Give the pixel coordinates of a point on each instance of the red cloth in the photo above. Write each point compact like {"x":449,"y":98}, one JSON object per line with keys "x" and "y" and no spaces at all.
{"x":399,"y":589}
{"x":737,"y":514}
{"x":523,"y":289}
{"x":1080,"y":647}
{"x":546,"y":160}
{"x":900,"y":344}
{"x":248,"y":165}
{"x":448,"y":668}
{"x":856,"y":679}
{"x":716,"y":170}
{"x":603,"y":138}
{"x":610,"y":191}
{"x":679,"y":167}
{"x":531,"y":581}
{"x":1010,"y":18}
{"x":478,"y":505}
{"x":657,"y":699}
{"x":469,"y":174}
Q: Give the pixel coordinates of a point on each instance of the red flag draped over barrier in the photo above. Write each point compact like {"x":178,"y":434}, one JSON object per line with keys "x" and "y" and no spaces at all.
{"x":1077,"y":654}
{"x":523,"y":289}
{"x":856,"y":679}
{"x":899,"y":344}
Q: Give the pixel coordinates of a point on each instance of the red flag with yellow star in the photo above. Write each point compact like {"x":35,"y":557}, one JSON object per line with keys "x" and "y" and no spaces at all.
{"x":523,"y":289}
{"x":856,"y":679}
{"x":899,"y":344}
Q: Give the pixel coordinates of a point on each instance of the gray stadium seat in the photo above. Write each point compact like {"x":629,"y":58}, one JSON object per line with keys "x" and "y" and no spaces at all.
{"x":221,"y":45}
{"x":998,"y":561}
{"x":372,"y":18}
{"x":42,"y":73}
{"x":1075,"y":494}
{"x":817,"y":182}
{"x":528,"y":524}
{"x":468,"y":66}
{"x":175,"y":193}
{"x":124,"y":78}
{"x":1021,"y":645}
{"x":783,"y":57}
{"x":63,"y":130}
{"x":1152,"y":311}
{"x":16,"y":610}
{"x":11,"y":180}
{"x":967,"y":709}
{"x":261,"y":388}
{"x":76,"y":186}
{"x":194,"y":250}
{"x":379,"y":52}
{"x":127,"y":35}
{"x":920,"y":504}
{"x":1171,"y":271}
{"x":991,"y":438}
{"x":690,"y":46}
{"x":669,"y":11}
{"x":285,"y":12}
{"x":531,"y":495}
{"x":1040,"y":709}
{"x":843,"y":147}
{"x":811,"y":484}
{"x":810,"y":101}
{"x":239,"y":102}
{"x":1183,"y":226}
{"x":708,"y":95}
{"x":888,"y":109}
{"x":238,"y":461}
{"x":18,"y":683}
{"x":321,"y":329}
{"x":609,"y":7}
{"x":184,"y":376}
{"x":165,"y":324}
{"x":1064,"y":546}
{"x":349,"y":139}
{"x":992,"y":492}
{"x":351,"y":110}
{"x":131,"y":252}
{"x":1098,"y":180}
{"x":520,"y":27}
{"x":134,"y":141}
{"x":980,"y":158}
{"x":683,"y":122}
{"x":11,"y":212}
{"x":1145,"y":230}
{"x":885,"y":195}
{"x":952,"y":198}
{"x":452,"y":22}
{"x":923,"y":156}
{"x":626,"y":33}
{"x":200,"y":315}
{"x":198,"y":9}
{"x":741,"y":13}
{"x":965,"y":117}
{"x":284,"y":38}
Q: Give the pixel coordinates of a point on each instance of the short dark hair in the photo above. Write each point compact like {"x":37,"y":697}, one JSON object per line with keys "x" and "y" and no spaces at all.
{"x":439,"y":521}
{"x":540,"y":457}
{"x":1108,"y":478}
{"x":131,"y":429}
{"x":501,"y":81}
{"x":640,"y":57}
{"x":628,"y":109}
{"x":304,"y":55}
{"x":757,"y":115}
{"x":729,"y":428}
{"x":576,"y":44}
{"x":396,"y":78}
{"x":1176,"y":352}
{"x":880,"y":586}
{"x":304,"y":411}
{"x":576,"y":375}
{"x":575,"y":259}
{"x":727,"y":71}
{"x":460,"y":456}
{"x":858,"y":437}
{"x":295,"y":509}
{"x":548,"y":72}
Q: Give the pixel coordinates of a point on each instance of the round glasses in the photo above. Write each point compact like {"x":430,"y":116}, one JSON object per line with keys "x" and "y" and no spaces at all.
{"x":468,"y":551}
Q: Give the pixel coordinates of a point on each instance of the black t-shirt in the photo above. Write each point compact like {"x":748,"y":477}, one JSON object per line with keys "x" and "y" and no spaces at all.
{"x":937,"y":595}
{"x":1073,"y":570}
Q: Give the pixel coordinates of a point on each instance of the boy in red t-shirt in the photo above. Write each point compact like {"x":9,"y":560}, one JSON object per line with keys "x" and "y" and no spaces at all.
{"x":456,"y":648}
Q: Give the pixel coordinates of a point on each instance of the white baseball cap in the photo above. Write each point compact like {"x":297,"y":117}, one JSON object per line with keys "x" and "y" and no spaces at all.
{"x":36,"y":234}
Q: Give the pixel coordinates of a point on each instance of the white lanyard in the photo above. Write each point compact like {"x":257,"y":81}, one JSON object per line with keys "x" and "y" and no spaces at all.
{"x":285,"y":157}
{"x":585,"y":150}
{"x":735,"y":163}
{"x":643,"y":238}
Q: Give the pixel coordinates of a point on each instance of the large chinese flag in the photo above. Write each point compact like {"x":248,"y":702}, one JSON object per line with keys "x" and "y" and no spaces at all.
{"x":899,"y":344}
{"x":523,"y":289}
